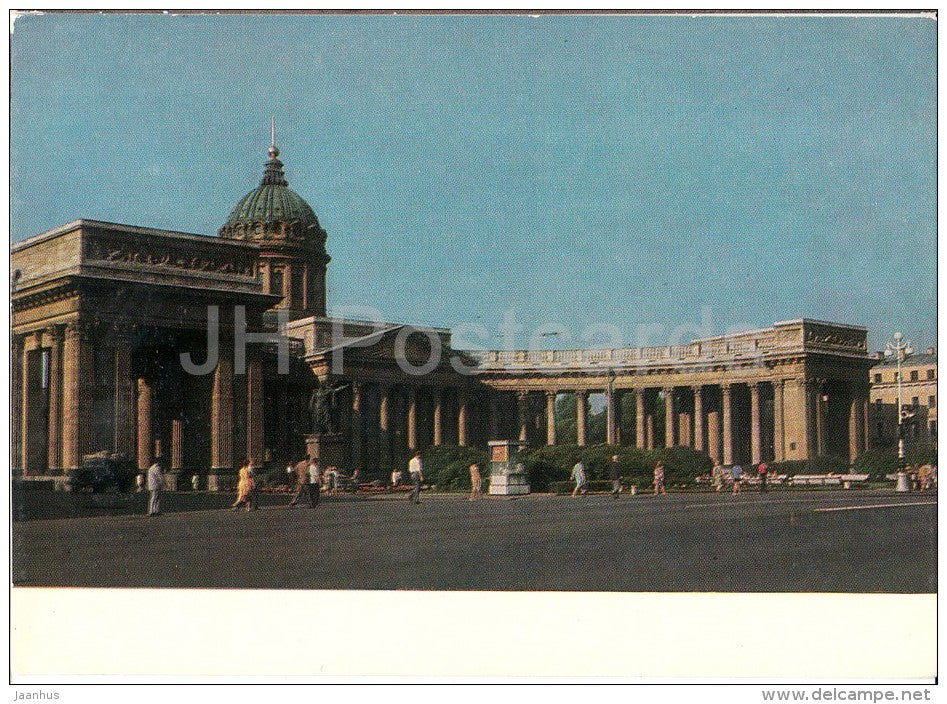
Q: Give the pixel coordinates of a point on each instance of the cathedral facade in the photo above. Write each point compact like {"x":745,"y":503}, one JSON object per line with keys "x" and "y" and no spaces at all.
{"x":212,"y":350}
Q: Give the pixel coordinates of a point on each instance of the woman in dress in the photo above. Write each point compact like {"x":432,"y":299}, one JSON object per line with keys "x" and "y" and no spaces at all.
{"x":245,"y":487}
{"x":474,"y":482}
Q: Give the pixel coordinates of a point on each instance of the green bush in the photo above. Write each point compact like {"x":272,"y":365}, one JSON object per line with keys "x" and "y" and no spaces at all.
{"x":877,"y":463}
{"x":550,"y":464}
{"x":817,"y":465}
{"x":448,"y":466}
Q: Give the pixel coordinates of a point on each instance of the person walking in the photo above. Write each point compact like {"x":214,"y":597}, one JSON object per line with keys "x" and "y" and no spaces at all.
{"x":245,"y":487}
{"x":155,"y":486}
{"x":303,"y":488}
{"x":414,"y":469}
{"x":762,"y":470}
{"x":736,"y":472}
{"x":578,"y":476}
{"x":717,"y":474}
{"x":614,"y":475}
{"x":659,"y":479}
{"x":474,"y":482}
{"x":315,"y":481}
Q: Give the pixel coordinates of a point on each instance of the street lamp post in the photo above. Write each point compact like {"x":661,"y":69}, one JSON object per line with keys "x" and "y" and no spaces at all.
{"x":901,"y":350}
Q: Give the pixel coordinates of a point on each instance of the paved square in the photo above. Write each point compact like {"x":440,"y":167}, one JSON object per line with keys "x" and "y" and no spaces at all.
{"x":823,"y":541}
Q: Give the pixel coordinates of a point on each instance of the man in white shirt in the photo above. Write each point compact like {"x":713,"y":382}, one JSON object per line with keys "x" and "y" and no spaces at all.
{"x":414,"y":469}
{"x":155,"y":485}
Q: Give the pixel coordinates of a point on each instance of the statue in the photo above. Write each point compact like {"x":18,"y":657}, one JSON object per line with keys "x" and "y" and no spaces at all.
{"x":322,"y":407}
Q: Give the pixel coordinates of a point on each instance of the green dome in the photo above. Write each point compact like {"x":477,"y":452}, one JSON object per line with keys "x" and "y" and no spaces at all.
{"x":272,"y":210}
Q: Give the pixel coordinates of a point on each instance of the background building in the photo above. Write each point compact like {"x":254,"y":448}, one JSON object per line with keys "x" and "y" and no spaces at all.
{"x":918,"y":390}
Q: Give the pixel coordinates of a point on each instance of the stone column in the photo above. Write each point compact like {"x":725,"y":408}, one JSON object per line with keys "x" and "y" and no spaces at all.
{"x":76,"y":387}
{"x":177,"y":445}
{"x":640,"y":421}
{"x":610,"y":417}
{"x":438,"y":418}
{"x":669,"y":416}
{"x":580,"y":397}
{"x":384,"y":426}
{"x":756,"y":452}
{"x":54,"y":447}
{"x":797,"y":419}
{"x":255,"y":408}
{"x":412,"y":418}
{"x":818,"y":389}
{"x":27,"y":412}
{"x":16,"y":403}
{"x":462,"y":418}
{"x":699,"y":418}
{"x":649,"y":440}
{"x":727,"y":423}
{"x":357,"y":426}
{"x":123,"y":410}
{"x":146,"y":438}
{"x":779,"y":452}
{"x":856,"y":431}
{"x":550,"y":417}
{"x":221,"y":417}
{"x":865,"y":427}
{"x":522,"y":414}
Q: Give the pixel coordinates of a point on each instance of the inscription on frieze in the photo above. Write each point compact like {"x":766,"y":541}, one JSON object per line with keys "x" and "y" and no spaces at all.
{"x":165,"y":258}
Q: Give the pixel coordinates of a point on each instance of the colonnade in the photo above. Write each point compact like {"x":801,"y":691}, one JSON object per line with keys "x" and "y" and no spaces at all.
{"x":751,"y":421}
{"x":80,"y":389}
{"x":386,"y":422}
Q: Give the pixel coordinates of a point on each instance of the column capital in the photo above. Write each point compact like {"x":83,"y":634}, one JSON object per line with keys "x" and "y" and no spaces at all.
{"x":522,"y":395}
{"x":582,"y":393}
{"x":725,"y":388}
{"x":778,"y":383}
{"x":697,"y":388}
{"x":79,"y":330}
{"x":551,"y":394}
{"x":668,"y":389}
{"x":754,"y":385}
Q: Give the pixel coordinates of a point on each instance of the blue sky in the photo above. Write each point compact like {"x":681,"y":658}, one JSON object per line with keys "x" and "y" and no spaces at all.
{"x":704,"y":172}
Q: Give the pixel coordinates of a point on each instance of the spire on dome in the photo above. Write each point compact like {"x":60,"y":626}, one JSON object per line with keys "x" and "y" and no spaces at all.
{"x":273,"y":170}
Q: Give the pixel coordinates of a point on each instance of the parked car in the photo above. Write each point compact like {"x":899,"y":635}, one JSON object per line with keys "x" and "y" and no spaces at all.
{"x":98,"y":474}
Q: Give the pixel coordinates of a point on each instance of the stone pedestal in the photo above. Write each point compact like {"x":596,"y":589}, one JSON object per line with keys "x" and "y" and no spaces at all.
{"x":507,"y":475}
{"x":171,"y":480}
{"x":328,"y":448}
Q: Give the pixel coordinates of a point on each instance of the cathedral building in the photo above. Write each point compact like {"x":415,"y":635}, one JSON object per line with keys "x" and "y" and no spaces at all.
{"x":212,"y":350}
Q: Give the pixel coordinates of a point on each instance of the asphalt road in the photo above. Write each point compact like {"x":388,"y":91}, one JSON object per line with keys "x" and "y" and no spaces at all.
{"x":777,"y":542}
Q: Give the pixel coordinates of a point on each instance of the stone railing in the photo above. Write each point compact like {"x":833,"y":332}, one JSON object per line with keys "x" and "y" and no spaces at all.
{"x":735,"y":347}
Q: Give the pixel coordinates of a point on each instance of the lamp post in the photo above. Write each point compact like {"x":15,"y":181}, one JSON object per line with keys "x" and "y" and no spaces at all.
{"x":901,"y":350}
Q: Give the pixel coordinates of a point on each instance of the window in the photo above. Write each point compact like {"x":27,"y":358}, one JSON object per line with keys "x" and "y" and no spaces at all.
{"x":930,"y":373}
{"x":932,"y":402}
{"x":914,"y":376}
{"x":297,"y":293}
{"x":276,"y":281}
{"x":877,"y":378}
